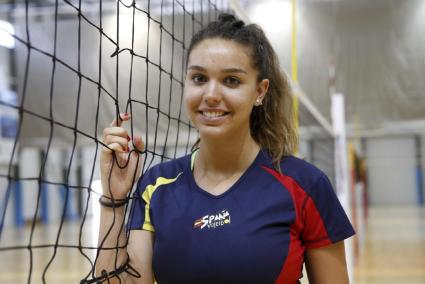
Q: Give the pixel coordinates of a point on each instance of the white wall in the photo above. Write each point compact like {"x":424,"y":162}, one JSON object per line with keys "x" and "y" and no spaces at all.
{"x":4,"y":68}
{"x":391,"y":170}
{"x":422,"y":154}
{"x":4,"y":150}
{"x":29,"y":172}
{"x":3,"y":194}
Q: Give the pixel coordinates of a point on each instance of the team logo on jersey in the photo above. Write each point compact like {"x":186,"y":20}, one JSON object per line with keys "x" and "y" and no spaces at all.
{"x":213,"y":221}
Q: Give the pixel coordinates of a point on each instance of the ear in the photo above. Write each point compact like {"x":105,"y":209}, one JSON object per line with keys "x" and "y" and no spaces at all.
{"x":262,"y":88}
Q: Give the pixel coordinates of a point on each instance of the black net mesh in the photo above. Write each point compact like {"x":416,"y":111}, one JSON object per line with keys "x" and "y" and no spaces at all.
{"x":76,"y":65}
{"x":317,"y":142}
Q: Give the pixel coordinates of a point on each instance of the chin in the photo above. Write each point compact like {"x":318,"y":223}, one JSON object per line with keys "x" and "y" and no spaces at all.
{"x":215,"y":132}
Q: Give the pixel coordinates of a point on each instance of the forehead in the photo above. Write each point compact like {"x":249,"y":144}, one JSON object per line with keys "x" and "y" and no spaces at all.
{"x":220,"y":53}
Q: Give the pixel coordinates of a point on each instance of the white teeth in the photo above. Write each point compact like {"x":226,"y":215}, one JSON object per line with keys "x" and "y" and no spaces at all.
{"x":212,"y":114}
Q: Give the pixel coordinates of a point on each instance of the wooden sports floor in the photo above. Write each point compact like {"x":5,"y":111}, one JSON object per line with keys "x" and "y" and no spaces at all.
{"x":391,"y":251}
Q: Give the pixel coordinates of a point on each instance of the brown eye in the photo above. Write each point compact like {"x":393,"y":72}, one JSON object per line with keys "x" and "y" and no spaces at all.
{"x":199,"y":79}
{"x":232,"y":81}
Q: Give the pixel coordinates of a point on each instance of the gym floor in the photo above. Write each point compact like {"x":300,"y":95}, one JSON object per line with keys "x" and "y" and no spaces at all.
{"x":391,"y":250}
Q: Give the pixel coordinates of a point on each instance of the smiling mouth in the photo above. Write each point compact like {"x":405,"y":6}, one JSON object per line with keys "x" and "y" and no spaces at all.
{"x":213,"y":114}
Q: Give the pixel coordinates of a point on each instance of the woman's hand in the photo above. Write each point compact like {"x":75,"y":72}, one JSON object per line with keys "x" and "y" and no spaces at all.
{"x":119,"y":167}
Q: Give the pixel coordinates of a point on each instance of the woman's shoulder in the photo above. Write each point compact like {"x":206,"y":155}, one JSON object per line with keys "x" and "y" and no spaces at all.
{"x":296,"y":165}
{"x":303,"y":172}
{"x":164,"y":172}
{"x":170,"y":168}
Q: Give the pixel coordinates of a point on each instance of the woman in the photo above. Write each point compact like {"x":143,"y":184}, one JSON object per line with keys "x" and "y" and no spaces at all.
{"x":240,"y":208}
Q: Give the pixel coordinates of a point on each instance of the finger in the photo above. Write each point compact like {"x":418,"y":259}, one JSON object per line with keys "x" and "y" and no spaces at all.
{"x":109,"y":139}
{"x":122,"y":117}
{"x":116,"y":131}
{"x":114,"y":147}
{"x":135,"y":162}
{"x":138,"y":143}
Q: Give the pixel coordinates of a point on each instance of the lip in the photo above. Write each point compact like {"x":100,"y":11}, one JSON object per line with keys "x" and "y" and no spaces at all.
{"x":212,"y":110}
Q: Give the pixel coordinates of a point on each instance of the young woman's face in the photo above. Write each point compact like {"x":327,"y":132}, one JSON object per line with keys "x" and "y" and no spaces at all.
{"x":221,"y":88}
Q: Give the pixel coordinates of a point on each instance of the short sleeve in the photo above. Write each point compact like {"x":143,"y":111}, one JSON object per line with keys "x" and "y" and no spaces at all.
{"x":140,"y":213}
{"x":325,"y":221}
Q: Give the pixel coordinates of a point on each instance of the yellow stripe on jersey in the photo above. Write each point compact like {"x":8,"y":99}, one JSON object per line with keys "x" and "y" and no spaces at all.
{"x":147,"y":195}
{"x":192,"y":159}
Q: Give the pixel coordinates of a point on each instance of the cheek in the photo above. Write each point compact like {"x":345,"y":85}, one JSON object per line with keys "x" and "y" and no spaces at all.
{"x":244,"y":98}
{"x":190,"y":99}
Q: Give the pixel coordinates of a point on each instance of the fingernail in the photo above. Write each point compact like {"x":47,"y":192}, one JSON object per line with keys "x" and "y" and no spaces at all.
{"x":128,"y":138}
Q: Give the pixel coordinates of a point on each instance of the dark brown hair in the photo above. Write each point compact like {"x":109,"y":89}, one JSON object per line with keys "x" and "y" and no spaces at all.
{"x":272,"y":123}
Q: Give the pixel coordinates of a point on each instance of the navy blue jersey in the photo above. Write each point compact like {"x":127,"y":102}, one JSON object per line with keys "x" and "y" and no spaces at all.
{"x":255,"y":232}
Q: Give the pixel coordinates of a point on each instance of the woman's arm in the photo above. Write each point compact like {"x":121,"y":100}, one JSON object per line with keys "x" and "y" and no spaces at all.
{"x":139,"y":249}
{"x":327,"y":264}
{"x":119,"y":167}
{"x":111,"y":237}
{"x":140,"y":245}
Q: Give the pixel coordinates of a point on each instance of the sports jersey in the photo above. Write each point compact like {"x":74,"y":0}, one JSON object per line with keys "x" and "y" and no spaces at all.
{"x":255,"y":232}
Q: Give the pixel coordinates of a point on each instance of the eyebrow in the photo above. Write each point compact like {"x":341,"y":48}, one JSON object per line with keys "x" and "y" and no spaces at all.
{"x":226,"y":70}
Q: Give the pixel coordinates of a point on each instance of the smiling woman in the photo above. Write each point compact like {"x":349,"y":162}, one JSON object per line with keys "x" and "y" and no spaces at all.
{"x":221,"y":90}
{"x":240,"y":208}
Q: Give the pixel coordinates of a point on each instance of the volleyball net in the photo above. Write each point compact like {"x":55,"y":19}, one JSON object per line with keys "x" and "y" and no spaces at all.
{"x":317,"y":139}
{"x":75,"y":65}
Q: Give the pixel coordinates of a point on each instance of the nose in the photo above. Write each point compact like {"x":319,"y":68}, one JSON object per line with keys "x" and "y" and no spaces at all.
{"x":212,"y":94}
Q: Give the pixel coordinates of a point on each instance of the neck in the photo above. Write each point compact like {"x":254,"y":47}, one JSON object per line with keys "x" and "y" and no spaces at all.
{"x":224,"y":156}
